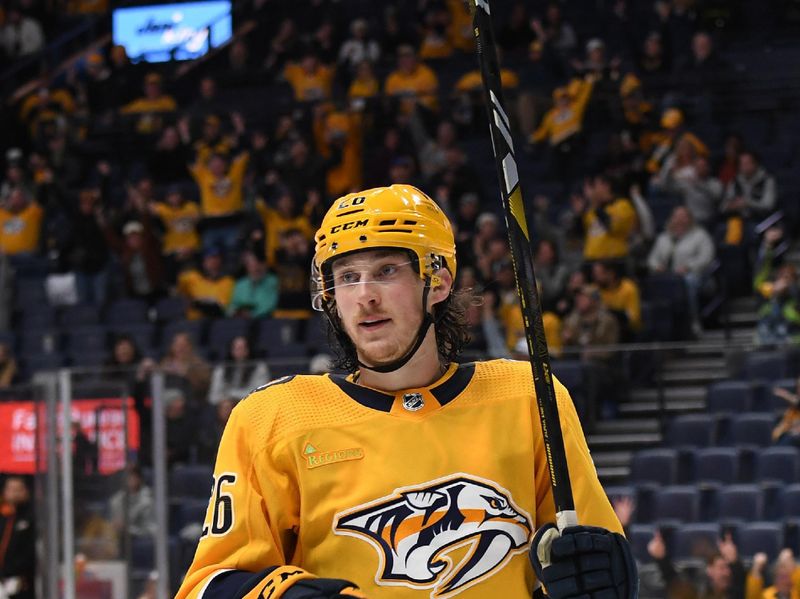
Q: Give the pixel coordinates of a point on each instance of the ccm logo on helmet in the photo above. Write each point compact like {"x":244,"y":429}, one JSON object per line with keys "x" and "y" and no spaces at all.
{"x":353,"y":224}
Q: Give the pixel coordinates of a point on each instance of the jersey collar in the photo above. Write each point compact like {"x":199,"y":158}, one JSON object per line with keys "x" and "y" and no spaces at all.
{"x":447,"y":388}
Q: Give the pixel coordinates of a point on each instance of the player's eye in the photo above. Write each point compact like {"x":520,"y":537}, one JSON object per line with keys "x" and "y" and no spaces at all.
{"x":388,"y":270}
{"x":347,"y":278}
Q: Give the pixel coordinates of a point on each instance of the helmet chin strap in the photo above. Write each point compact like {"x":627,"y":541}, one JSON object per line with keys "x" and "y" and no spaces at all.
{"x":427,"y":321}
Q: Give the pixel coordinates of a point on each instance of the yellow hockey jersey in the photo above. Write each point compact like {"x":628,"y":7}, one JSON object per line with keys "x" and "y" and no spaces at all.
{"x":428,"y":492}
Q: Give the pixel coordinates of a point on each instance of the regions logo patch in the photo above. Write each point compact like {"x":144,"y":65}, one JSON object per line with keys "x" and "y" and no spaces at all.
{"x":315,"y":458}
{"x":417,"y":529}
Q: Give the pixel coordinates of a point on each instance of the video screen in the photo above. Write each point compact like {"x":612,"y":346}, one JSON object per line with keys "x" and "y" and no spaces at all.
{"x":179,"y":31}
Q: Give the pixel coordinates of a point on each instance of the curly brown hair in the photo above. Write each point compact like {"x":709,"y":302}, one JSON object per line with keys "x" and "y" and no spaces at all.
{"x":450,"y":326}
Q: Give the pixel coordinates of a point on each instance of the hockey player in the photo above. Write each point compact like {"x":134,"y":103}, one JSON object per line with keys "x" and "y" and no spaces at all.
{"x":414,"y":476}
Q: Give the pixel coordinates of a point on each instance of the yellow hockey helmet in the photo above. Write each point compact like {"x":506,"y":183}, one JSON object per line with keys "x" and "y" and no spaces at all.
{"x":399,"y":216}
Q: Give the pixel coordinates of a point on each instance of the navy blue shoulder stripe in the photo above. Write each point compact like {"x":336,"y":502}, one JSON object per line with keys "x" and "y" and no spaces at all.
{"x":234,"y":584}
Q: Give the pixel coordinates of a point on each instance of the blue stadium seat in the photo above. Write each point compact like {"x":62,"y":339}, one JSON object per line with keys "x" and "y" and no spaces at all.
{"x":277,"y":331}
{"x":753,"y":429}
{"x":39,"y":342}
{"x":765,"y":365}
{"x":659,"y":465}
{"x":639,"y":536}
{"x":221,"y":332}
{"x":790,"y":501}
{"x":678,"y":503}
{"x":755,"y":537}
{"x":40,"y":362}
{"x":191,"y":480}
{"x":731,"y":396}
{"x":9,"y":339}
{"x":37,"y":317}
{"x":30,"y":292}
{"x":768,"y":401}
{"x":191,"y":511}
{"x":90,"y":339}
{"x":692,"y":430}
{"x":170,"y":309}
{"x":695,"y":540}
{"x":778,"y":464}
{"x":740,"y":503}
{"x":316,"y":337}
{"x":79,"y":315}
{"x":716,"y":464}
{"x":86,"y":359}
{"x":127,"y":312}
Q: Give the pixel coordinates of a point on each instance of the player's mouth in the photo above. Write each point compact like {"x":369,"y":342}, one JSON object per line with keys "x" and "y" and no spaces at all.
{"x":372,"y":324}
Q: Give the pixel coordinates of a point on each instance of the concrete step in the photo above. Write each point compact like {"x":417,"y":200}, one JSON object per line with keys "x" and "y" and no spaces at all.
{"x":613,"y":475}
{"x":603,"y":458}
{"x":739,"y":336}
{"x":740,"y":319}
{"x":678,"y":392}
{"x":694,"y":376}
{"x":626,"y":425}
{"x":743,"y":304}
{"x":597,"y":441}
{"x":714,"y":363}
{"x":650,"y":408}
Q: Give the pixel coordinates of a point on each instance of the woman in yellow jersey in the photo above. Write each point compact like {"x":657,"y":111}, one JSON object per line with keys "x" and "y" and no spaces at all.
{"x":413,"y":476}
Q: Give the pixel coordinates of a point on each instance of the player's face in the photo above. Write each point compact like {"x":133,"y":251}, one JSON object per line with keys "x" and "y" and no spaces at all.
{"x":379,"y":300}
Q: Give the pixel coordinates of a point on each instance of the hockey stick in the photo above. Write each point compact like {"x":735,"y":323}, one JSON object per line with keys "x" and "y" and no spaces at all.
{"x":522,"y":259}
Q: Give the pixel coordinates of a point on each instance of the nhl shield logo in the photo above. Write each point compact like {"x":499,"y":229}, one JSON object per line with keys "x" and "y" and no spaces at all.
{"x":413,"y":402}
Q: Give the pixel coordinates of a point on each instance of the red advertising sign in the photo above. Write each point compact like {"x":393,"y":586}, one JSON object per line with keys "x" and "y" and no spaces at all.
{"x":101,"y":420}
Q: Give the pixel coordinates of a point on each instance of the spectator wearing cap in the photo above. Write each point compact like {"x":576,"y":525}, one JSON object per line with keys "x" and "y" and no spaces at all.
{"x":359,"y":47}
{"x":20,"y":224}
{"x":221,"y":183}
{"x":608,"y":220}
{"x":412,"y":82}
{"x":208,"y":290}
{"x":179,"y":217}
{"x":663,"y":143}
{"x":620,"y":295}
{"x":562,"y":125}
{"x":139,"y":253}
{"x":21,"y":35}
{"x":149,"y":111}
{"x":311,"y":80}
{"x":684,"y":248}
{"x":255,"y":295}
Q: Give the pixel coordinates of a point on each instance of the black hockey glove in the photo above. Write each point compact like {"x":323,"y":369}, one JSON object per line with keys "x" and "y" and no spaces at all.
{"x":322,"y":588}
{"x":584,"y":562}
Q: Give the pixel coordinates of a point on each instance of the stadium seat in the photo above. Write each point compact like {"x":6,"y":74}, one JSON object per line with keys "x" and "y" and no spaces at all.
{"x":731,"y":396}
{"x":41,"y":362}
{"x":79,"y":315}
{"x":39,"y":342}
{"x":790,"y":501}
{"x":692,"y":430}
{"x":755,"y":537}
{"x":221,"y":332}
{"x":170,"y":309}
{"x":37,"y":316}
{"x":752,"y":429}
{"x":778,"y":464}
{"x":193,"y":480}
{"x":717,"y":465}
{"x":639,"y":535}
{"x":659,"y":465}
{"x":695,"y":540}
{"x":127,"y":312}
{"x":277,"y":331}
{"x":90,"y":339}
{"x":87,"y":359}
{"x":191,"y":511}
{"x":740,"y":503}
{"x":678,"y":503}
{"x":764,"y":365}
{"x":316,"y":337}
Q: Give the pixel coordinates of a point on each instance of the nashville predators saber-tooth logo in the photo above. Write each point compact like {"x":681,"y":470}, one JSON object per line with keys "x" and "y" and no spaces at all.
{"x":416,"y":530}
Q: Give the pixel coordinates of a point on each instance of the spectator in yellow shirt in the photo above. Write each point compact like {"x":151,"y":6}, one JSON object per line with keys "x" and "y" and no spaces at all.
{"x":412,"y":81}
{"x":151,"y":108}
{"x":20,"y":224}
{"x":661,"y":145}
{"x":620,"y":295}
{"x":221,"y":198}
{"x":210,"y":291}
{"x":310,"y":80}
{"x":283,"y":218}
{"x":179,"y":217}
{"x":472,"y":82}
{"x":785,"y":581}
{"x":364,"y":87}
{"x":338,"y":137}
{"x":608,"y":222}
{"x":435,"y":42}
